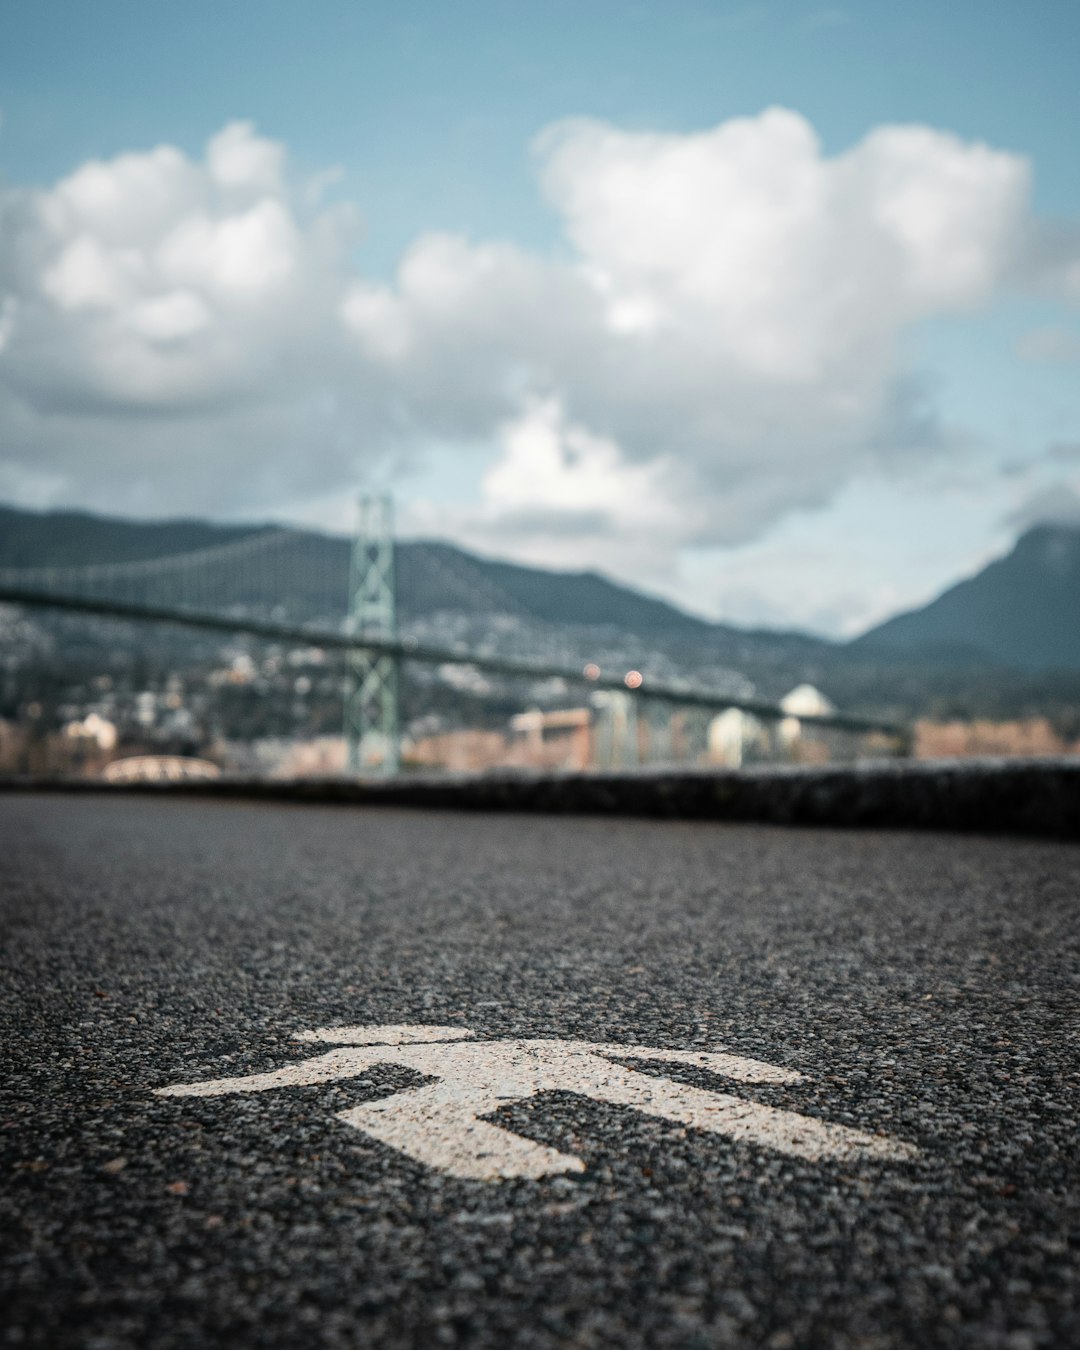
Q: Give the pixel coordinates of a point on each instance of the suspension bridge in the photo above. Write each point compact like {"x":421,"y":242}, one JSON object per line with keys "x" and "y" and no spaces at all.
{"x":382,"y":609}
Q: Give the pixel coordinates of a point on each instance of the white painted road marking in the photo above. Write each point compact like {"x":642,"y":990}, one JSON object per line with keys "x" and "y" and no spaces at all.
{"x":440,"y":1123}
{"x":397,"y":1035}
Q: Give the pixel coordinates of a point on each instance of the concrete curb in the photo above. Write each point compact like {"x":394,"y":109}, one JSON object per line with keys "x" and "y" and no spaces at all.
{"x":1025,"y":797}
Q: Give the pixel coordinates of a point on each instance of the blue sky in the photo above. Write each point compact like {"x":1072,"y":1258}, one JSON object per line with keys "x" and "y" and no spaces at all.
{"x":430,"y":107}
{"x":429,"y":115}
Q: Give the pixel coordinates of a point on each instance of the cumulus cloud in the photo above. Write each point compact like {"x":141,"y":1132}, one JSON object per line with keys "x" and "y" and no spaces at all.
{"x":554,"y":484}
{"x":718,"y":342}
{"x":169,"y":336}
{"x":153,"y":284}
{"x":731,"y":310}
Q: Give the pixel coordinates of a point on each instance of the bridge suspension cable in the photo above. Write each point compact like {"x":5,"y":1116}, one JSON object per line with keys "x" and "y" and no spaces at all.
{"x":427,"y":604}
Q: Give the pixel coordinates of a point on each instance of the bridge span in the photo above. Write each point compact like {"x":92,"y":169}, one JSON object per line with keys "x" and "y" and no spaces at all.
{"x":285,"y":586}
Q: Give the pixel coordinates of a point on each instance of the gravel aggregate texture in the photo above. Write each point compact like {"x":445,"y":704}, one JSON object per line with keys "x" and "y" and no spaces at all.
{"x":927,"y":986}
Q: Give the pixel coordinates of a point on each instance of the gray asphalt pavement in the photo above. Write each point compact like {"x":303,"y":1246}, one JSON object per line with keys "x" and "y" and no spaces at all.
{"x":927,"y":986}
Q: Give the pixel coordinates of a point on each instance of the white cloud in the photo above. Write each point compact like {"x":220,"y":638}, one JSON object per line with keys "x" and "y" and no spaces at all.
{"x":734,"y":304}
{"x":550,"y":466}
{"x":237,"y":158}
{"x":86,"y":275}
{"x":139,"y":294}
{"x":131,"y":197}
{"x":252,"y":252}
{"x":554,"y":482}
{"x":719,"y":343}
{"x":170,"y":317}
{"x":782,"y":257}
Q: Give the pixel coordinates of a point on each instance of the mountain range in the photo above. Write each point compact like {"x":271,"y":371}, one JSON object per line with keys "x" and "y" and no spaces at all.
{"x":1022,"y":610}
{"x":1013,"y":626}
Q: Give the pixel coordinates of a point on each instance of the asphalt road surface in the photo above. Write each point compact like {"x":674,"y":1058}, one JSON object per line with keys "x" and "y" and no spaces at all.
{"x":926,"y":987}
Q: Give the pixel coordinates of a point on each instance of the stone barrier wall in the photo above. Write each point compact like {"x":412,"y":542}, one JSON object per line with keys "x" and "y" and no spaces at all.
{"x":1033,"y":797}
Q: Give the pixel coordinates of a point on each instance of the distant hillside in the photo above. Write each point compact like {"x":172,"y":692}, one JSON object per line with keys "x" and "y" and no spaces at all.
{"x":587,"y":598}
{"x":75,"y":538}
{"x":1021,"y":611}
{"x":432,"y":576}
{"x":958,"y":657}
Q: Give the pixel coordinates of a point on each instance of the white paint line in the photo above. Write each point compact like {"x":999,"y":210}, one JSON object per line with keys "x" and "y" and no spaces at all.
{"x":399,"y":1035}
{"x":437,"y":1125}
{"x":747,"y":1122}
{"x":440,"y":1123}
{"x":728,"y":1066}
{"x":328,"y":1068}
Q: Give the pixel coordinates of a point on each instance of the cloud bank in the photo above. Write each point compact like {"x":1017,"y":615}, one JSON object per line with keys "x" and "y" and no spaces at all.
{"x":718,"y":341}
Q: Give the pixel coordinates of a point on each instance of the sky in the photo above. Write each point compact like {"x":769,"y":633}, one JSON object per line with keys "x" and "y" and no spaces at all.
{"x":772,"y":309}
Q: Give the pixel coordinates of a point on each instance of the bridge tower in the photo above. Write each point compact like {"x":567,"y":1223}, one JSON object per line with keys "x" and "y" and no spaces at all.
{"x":372,"y":735}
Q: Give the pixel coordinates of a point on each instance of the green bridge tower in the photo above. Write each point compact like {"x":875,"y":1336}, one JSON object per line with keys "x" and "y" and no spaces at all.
{"x":372,"y":731}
